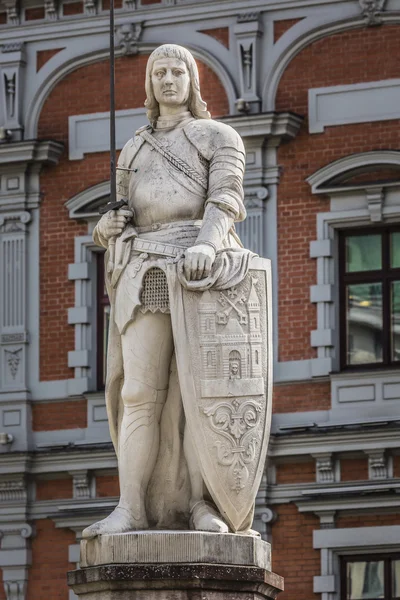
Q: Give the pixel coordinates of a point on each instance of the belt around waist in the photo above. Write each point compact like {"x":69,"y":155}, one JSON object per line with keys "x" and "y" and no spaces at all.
{"x":175,"y":224}
{"x":159,"y":248}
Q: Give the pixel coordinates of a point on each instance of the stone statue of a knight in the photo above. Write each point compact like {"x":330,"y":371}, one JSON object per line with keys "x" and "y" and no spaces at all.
{"x":188,"y":366}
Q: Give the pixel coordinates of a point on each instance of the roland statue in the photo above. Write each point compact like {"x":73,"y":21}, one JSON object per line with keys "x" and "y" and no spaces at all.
{"x":189,"y":352}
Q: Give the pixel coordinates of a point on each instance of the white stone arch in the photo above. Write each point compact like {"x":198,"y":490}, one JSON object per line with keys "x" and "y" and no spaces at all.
{"x":306,"y":32}
{"x":70,"y":59}
{"x":82,"y":205}
{"x":329,"y":177}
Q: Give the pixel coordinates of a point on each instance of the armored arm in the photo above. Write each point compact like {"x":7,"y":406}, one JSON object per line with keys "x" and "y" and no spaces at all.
{"x":224,"y":203}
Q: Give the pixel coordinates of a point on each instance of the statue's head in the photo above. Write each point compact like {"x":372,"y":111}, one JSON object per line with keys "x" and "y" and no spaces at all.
{"x":193,"y":99}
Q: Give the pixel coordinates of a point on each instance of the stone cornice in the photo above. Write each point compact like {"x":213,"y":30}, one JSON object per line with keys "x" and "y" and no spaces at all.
{"x":339,"y":440}
{"x":277,"y":125}
{"x":30,"y":151}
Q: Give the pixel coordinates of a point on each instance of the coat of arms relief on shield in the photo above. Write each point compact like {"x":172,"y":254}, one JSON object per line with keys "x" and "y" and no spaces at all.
{"x":228,"y":330}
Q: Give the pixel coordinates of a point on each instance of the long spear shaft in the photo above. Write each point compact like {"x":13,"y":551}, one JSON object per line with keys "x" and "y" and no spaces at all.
{"x":113,"y":182}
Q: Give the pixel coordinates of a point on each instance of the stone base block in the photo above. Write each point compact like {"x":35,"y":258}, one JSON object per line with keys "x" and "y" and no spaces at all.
{"x":171,"y":547}
{"x":175,"y":582}
{"x":158,"y":565}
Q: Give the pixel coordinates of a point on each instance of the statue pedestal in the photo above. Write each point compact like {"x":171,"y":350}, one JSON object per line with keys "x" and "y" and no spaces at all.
{"x":164,"y":565}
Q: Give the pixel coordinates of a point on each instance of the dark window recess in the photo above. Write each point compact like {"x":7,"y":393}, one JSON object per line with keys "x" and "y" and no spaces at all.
{"x":369,"y":269}
{"x":103,"y":318}
{"x":370,"y":577}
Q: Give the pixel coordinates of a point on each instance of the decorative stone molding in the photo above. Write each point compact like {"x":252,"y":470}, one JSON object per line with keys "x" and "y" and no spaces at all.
{"x":377,"y":464}
{"x":15,"y":558}
{"x":127,"y":37}
{"x":371,"y":10}
{"x":20,"y":166}
{"x":326,"y":519}
{"x":325,"y":472}
{"x":13,"y":10}
{"x":375,"y":198}
{"x":90,"y":7}
{"x":340,"y":104}
{"x":329,"y":179}
{"x":248,"y":32}
{"x":12,"y":63}
{"x":13,"y":489}
{"x":13,"y":228}
{"x":82,"y":485}
{"x":51,"y":10}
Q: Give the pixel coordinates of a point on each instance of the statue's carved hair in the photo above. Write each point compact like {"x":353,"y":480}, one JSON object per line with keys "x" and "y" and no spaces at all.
{"x":196,"y":104}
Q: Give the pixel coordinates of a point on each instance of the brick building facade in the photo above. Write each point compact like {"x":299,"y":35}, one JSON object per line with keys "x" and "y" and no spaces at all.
{"x":314,"y":90}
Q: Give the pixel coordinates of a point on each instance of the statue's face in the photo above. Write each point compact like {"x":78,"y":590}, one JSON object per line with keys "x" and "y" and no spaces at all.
{"x":171,"y":82}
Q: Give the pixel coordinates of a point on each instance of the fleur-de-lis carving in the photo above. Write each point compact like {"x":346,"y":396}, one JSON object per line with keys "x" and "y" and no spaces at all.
{"x":237,"y":422}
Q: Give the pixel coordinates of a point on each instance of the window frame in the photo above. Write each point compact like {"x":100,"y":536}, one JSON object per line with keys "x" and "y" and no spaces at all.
{"x":386,"y":557}
{"x":386,"y":276}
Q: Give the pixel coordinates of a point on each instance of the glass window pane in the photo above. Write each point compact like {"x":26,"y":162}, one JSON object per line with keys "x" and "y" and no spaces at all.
{"x":396,"y":579}
{"x":395,"y":318}
{"x":395,"y":250}
{"x":365,"y":580}
{"x":364,"y":323}
{"x":363,"y":252}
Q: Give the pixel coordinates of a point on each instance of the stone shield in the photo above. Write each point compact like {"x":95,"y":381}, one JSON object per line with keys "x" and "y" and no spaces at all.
{"x":223,"y":345}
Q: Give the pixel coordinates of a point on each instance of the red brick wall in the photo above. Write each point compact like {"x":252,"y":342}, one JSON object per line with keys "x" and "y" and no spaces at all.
{"x":81,"y":92}
{"x":73,"y":8}
{"x":396,"y":466}
{"x":42,"y":56}
{"x":32,"y":14}
{"x":48,"y":573}
{"x":282,"y":26}
{"x":368,"y":520}
{"x":50,"y":416}
{"x":107,"y":485}
{"x":303,"y":472}
{"x":293,"y":556}
{"x":219,"y":33}
{"x":53,"y":489}
{"x":354,"y":469}
{"x":298,"y":397}
{"x":3,"y":18}
{"x":343,"y":58}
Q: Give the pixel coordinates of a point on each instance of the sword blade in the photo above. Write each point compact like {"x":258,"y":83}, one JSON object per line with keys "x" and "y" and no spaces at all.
{"x":113,"y":182}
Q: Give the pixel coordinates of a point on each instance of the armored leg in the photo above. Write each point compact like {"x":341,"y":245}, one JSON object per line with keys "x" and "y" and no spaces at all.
{"x":147,"y":348}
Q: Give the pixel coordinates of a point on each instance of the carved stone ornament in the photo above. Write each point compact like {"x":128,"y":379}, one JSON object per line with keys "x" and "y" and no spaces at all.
{"x":13,"y":359}
{"x":51,"y":10}
{"x":371,"y":10}
{"x":128,"y":36}
{"x":13,"y":12}
{"x":227,"y":339}
{"x":14,"y":222}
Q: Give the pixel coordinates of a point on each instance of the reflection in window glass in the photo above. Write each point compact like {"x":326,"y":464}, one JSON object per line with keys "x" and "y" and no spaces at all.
{"x":365,"y":580}
{"x":395,"y":250}
{"x":364,"y":323}
{"x":395,"y":320}
{"x":363,"y":253}
{"x":396,"y":579}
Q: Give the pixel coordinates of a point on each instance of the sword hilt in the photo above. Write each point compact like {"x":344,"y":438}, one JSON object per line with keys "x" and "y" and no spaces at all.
{"x":112,"y":206}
